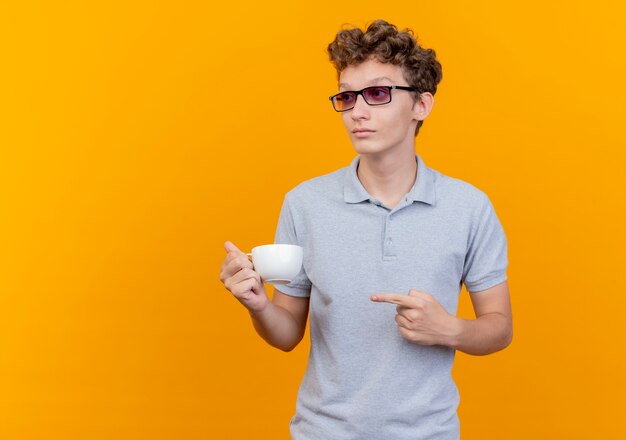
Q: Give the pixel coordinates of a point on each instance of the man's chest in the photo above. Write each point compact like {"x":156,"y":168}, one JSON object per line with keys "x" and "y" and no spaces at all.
{"x":417,"y":248}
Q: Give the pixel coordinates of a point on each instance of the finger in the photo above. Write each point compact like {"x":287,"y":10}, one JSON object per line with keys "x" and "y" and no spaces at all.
{"x":403,"y":322}
{"x":411,"y":315}
{"x":243,"y":275}
{"x":229,"y":257}
{"x":245,"y":289}
{"x":233,"y":255}
{"x":232,"y":268}
{"x":419,"y":294}
{"x":413,"y":311}
{"x":229,"y":247}
{"x":403,"y":309}
{"x":236,"y":264}
{"x":394,"y":298}
{"x":234,"y":252}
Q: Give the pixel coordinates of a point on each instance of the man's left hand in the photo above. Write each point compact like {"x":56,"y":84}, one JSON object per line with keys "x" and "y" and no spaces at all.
{"x":421,"y":318}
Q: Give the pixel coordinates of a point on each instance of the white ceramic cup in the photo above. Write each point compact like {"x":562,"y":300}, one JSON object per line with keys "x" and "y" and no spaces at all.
{"x":277,"y":263}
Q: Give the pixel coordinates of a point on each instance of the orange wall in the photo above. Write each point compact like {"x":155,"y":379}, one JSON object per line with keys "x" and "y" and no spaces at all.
{"x":136,"y":138}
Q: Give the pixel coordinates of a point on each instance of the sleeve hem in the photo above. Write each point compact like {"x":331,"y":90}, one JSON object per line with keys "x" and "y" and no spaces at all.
{"x":484,"y":285}
{"x":293,"y":291}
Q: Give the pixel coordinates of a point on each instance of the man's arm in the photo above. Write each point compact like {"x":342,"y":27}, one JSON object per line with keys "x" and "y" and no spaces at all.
{"x":283,"y":322}
{"x":492,"y":330}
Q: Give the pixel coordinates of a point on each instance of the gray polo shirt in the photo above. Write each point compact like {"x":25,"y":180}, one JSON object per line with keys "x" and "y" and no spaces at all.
{"x":363,"y":379}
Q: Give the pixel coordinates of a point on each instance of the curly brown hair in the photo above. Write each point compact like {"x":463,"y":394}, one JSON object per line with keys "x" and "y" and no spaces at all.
{"x":386,"y":44}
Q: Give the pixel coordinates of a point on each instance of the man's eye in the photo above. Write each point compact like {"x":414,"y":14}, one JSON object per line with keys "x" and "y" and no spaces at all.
{"x":345,"y":98}
{"x":379,"y":93}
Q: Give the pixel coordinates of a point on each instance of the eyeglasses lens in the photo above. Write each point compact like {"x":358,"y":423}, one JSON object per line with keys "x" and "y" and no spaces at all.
{"x":372,"y":95}
{"x":377,"y":95}
{"x":344,"y":101}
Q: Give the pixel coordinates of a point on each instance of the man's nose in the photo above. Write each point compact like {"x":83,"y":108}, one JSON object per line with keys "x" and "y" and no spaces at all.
{"x":360,"y":109}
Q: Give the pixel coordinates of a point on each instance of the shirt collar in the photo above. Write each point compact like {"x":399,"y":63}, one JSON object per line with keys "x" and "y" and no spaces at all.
{"x":423,"y":190}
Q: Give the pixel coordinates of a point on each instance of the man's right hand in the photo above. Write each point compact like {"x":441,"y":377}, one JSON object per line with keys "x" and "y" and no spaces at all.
{"x":240,"y":278}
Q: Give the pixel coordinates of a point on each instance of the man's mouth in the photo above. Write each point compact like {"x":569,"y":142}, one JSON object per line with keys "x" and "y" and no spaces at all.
{"x":363,"y":132}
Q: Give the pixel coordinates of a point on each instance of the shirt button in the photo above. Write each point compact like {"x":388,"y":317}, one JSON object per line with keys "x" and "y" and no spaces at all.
{"x":390,"y":242}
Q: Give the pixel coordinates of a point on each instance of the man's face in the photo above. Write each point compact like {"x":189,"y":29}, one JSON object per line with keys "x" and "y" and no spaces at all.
{"x":381,"y":128}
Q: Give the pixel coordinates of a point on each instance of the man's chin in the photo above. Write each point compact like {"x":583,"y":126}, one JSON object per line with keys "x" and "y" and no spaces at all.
{"x":367,"y":147}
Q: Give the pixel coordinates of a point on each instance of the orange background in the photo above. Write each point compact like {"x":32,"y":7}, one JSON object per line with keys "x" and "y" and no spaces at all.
{"x":137,"y":137}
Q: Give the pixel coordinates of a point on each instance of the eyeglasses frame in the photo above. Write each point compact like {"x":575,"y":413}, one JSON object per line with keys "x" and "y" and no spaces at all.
{"x":360,"y":92}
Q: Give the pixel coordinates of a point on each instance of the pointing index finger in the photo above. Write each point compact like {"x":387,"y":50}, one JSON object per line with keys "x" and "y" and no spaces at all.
{"x":394,"y":298}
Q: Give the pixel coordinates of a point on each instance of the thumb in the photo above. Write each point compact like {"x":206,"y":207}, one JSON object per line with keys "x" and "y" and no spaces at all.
{"x":229,"y":247}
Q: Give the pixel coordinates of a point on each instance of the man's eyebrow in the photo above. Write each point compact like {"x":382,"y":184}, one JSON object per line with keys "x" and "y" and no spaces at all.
{"x":373,"y":81}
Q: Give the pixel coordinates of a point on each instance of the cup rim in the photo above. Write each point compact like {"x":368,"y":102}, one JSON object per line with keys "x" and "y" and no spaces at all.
{"x":276,"y":244}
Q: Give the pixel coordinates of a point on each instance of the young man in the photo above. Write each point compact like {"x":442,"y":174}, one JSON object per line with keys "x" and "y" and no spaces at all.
{"x":384,"y":231}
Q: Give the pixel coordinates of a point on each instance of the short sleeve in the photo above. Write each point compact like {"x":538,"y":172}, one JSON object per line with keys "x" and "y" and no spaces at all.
{"x":486,"y":260}
{"x":286,"y":234}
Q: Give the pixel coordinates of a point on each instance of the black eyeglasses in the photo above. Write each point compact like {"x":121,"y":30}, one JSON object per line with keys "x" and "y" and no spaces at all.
{"x":377,"y":95}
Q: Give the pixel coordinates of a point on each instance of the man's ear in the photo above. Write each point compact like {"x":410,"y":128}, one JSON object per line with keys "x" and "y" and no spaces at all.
{"x":423,"y":107}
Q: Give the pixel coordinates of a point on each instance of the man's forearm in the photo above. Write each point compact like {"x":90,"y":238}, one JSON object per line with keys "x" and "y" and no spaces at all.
{"x":277,"y":327}
{"x":484,"y":335}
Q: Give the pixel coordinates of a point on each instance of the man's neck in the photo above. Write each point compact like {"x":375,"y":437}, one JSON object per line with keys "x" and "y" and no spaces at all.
{"x":390,"y":177}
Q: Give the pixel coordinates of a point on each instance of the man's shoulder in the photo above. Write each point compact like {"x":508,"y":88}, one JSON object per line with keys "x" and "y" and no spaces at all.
{"x":457,"y":192}
{"x":316,"y":188}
